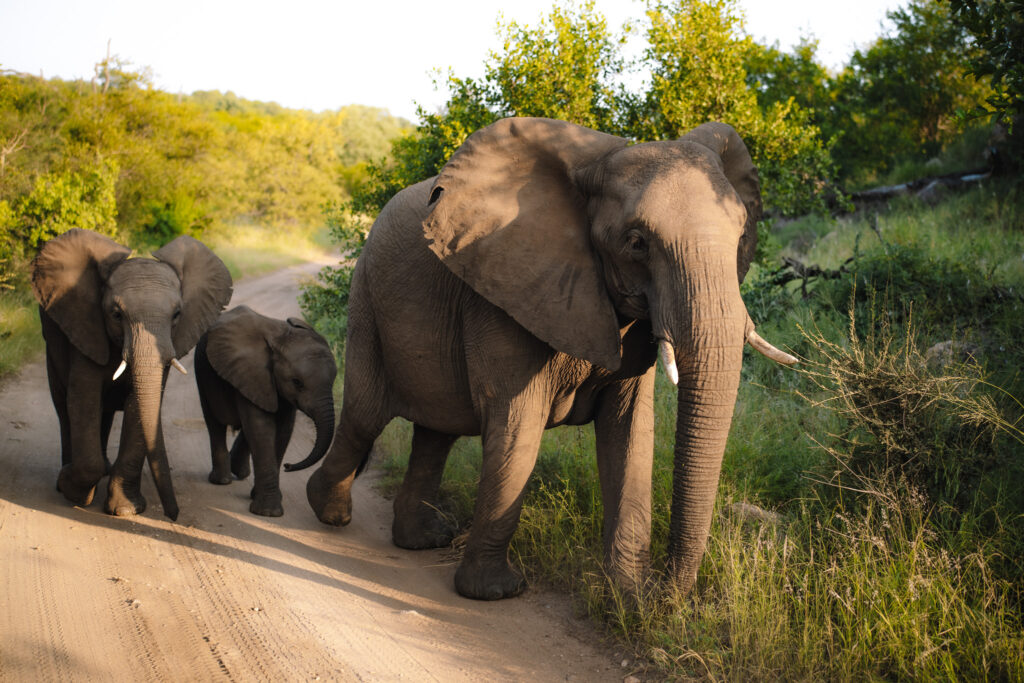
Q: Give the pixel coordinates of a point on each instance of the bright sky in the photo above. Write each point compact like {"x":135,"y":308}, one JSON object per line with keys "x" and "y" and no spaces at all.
{"x":321,"y":54}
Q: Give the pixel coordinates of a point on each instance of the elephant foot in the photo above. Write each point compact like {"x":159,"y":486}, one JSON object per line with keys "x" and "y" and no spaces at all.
{"x":73,"y":489}
{"x":268,"y":505}
{"x":425,"y":528}
{"x":488,"y":581}
{"x":124,"y":502}
{"x":219,"y":478}
{"x":331,"y":503}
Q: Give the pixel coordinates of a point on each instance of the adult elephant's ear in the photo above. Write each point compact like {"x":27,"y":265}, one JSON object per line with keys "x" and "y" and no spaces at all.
{"x":205,"y":288}
{"x":68,"y":276}
{"x":507,"y":218}
{"x":238,"y":348}
{"x":723,"y":140}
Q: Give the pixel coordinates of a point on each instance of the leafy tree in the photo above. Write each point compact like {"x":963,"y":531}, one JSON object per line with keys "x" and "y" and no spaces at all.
{"x":119,"y":156}
{"x":561,"y":69}
{"x":696,"y":53}
{"x":899,"y":98}
{"x":776,"y":76}
{"x":997,"y":27}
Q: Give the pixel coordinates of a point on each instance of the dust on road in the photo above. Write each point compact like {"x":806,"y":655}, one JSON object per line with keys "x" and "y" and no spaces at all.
{"x":225,"y":594}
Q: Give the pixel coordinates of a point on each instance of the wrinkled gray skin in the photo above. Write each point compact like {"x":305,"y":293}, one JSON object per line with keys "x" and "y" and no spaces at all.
{"x":98,"y":307}
{"x":253,"y":372}
{"x":527,"y":286}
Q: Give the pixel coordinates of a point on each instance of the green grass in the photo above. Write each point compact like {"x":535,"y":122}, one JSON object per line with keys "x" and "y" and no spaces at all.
{"x":899,"y":548}
{"x":20,"y":338}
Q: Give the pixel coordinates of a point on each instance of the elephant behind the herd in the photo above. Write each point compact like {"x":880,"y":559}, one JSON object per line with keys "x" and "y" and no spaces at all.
{"x":532,"y":284}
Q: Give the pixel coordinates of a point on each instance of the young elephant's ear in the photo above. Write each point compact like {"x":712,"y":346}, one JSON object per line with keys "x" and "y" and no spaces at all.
{"x":205,"y":288}
{"x":68,"y":277}
{"x":723,"y":140}
{"x":238,"y":350}
{"x":507,"y":218}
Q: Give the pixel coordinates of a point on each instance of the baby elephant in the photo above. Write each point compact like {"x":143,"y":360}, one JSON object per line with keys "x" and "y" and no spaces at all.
{"x":253,"y":372}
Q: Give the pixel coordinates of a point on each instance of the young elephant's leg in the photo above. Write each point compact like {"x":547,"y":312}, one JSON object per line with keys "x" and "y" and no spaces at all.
{"x":241,"y":466}
{"x":261,"y":432}
{"x":511,"y":440}
{"x":220,"y":472}
{"x":418,"y":523}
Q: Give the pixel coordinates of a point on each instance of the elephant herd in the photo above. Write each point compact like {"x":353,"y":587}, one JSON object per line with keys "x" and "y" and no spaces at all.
{"x":113,"y":327}
{"x":533,"y":283}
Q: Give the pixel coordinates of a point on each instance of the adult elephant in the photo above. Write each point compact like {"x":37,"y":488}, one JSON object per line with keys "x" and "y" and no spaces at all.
{"x":532,"y":284}
{"x":102,"y":313}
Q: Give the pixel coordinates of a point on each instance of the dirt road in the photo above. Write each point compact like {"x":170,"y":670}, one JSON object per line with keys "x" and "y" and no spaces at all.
{"x":225,"y":594}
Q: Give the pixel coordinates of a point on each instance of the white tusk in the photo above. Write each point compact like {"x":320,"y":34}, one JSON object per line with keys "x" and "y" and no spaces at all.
{"x":769,"y":351}
{"x":178,"y":366}
{"x":120,"y":368}
{"x":668,"y":360}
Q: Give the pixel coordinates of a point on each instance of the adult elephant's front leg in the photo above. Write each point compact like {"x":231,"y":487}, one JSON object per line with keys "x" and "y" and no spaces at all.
{"x":624,"y":430}
{"x":81,"y":426}
{"x":511,"y":439}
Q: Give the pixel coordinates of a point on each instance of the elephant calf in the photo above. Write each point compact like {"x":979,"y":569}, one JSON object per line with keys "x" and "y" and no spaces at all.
{"x":253,"y":372}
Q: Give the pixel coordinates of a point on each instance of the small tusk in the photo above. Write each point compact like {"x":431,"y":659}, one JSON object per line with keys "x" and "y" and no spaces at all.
{"x":769,"y":351}
{"x":178,"y":366}
{"x":120,"y":368}
{"x":668,"y":360}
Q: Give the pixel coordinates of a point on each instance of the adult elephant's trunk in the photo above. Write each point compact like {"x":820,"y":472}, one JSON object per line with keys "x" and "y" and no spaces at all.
{"x":142,"y":434}
{"x":707,"y":333}
{"x":323,"y":420}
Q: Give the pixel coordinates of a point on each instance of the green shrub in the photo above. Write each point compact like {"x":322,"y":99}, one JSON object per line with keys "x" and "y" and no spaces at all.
{"x":179,"y":215}
{"x":63,"y":200}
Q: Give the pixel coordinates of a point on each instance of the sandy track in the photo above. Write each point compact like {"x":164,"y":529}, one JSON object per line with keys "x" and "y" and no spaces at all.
{"x":225,"y":594}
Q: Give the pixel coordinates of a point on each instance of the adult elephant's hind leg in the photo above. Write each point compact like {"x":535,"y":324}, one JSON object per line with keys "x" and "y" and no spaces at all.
{"x":364,"y":413}
{"x":418,"y":522}
{"x":329,"y":489}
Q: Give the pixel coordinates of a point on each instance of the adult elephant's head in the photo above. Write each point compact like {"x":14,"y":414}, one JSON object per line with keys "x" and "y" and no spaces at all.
{"x":571,"y":231}
{"x":268,"y":359}
{"x":144,"y":312}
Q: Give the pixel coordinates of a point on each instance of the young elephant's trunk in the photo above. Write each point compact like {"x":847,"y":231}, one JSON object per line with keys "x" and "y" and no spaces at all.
{"x":323,"y":420}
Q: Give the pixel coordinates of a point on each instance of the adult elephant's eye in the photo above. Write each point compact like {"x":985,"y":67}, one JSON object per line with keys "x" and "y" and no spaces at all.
{"x":297,"y":383}
{"x":116,"y":314}
{"x":176,"y":317}
{"x":636,"y":244}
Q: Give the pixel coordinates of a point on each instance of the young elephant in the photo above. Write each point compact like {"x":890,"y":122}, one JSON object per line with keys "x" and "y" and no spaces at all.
{"x":253,"y":372}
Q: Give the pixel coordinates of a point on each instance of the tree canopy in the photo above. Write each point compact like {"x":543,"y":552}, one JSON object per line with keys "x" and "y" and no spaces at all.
{"x":118,"y":156}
